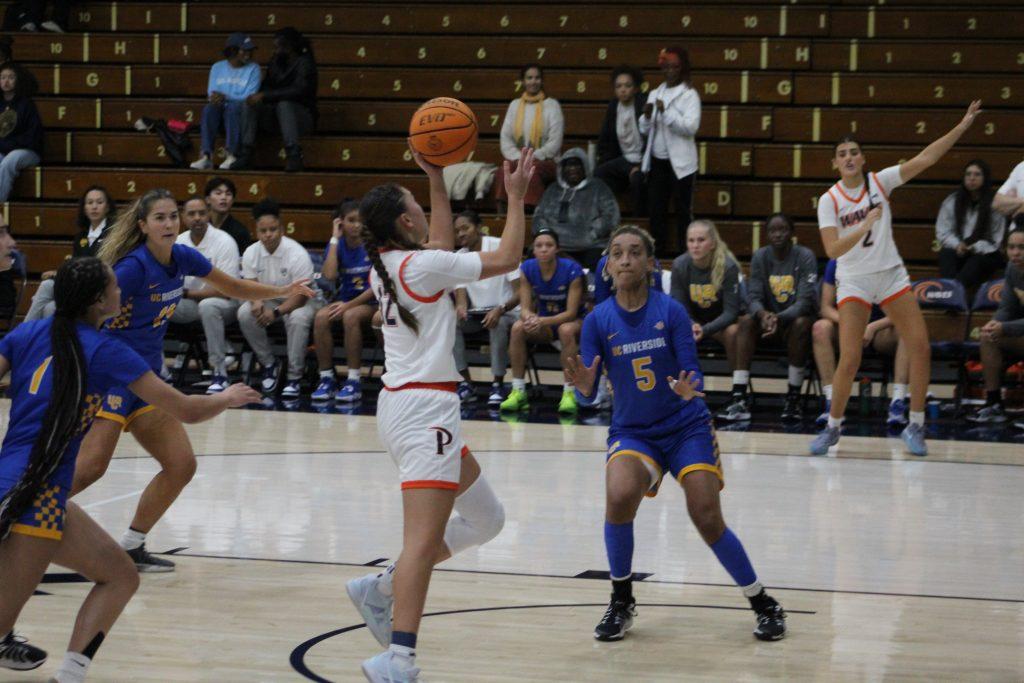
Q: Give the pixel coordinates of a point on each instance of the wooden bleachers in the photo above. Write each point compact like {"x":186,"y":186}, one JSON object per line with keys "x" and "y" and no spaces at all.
{"x":779,"y":83}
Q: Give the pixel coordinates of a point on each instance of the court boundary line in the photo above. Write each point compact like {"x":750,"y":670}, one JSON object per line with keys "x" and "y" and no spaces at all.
{"x":488,"y":572}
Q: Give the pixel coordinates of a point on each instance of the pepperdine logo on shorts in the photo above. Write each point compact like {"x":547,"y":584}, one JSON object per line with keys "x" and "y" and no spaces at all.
{"x":995,"y":292}
{"x":932,"y":290}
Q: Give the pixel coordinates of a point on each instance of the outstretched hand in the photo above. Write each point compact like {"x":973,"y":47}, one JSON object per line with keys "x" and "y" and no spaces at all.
{"x":582,"y":375}
{"x":240,"y":394}
{"x":298,"y":287}
{"x":686,"y":385}
{"x":972,"y":113}
{"x":517,"y":182}
{"x":430,"y":169}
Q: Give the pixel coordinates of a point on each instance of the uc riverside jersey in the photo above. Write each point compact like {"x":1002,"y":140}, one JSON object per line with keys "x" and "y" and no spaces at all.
{"x":353,"y":271}
{"x":552,"y":295}
{"x":640,"y":350}
{"x":110,"y":364}
{"x":150,"y":292}
{"x":845,"y":209}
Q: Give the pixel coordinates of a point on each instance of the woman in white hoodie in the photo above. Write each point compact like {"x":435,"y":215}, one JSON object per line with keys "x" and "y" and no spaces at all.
{"x":670,"y":121}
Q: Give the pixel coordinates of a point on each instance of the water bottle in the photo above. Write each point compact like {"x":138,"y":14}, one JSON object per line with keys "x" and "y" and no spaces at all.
{"x":865,"y":396}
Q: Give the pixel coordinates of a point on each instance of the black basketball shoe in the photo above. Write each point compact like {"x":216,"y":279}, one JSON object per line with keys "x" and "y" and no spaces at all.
{"x":793,"y":409}
{"x":617,"y":619}
{"x":17,"y":654}
{"x":145,"y":562}
{"x":771,"y":619}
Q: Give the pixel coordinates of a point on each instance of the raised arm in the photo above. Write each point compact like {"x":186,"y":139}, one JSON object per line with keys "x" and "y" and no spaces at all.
{"x":250,"y":290}
{"x":441,"y":234}
{"x":509,"y":253}
{"x":935,"y":151}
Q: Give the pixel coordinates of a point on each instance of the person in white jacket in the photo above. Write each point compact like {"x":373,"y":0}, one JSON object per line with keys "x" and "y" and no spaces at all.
{"x":669,"y":123}
{"x":533,"y":120}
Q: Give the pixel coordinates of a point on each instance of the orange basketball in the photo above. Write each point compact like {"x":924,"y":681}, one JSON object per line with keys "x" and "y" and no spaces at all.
{"x":444,"y":131}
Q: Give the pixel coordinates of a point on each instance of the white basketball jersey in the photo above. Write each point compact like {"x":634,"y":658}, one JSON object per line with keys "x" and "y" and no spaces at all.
{"x":423,"y":280}
{"x":846,"y":210}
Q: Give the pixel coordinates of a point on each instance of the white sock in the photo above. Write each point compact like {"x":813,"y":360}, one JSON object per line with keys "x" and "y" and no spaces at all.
{"x":917,"y":418}
{"x":796,"y":376}
{"x":835,"y":421}
{"x":386,"y":581}
{"x":221,"y":370}
{"x":899,"y":392}
{"x":327,"y":374}
{"x":828,"y":391}
{"x":752,"y":590}
{"x":567,"y":387}
{"x":353,"y":374}
{"x":518,"y":384}
{"x":741,"y":377}
{"x":73,"y":668}
{"x":132,"y":539}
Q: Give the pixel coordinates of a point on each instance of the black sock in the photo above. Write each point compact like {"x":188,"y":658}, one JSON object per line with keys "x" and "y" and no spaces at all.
{"x":793,"y":390}
{"x":739,"y":391}
{"x":622,"y":590}
{"x":761,"y":601}
{"x":994,"y":398}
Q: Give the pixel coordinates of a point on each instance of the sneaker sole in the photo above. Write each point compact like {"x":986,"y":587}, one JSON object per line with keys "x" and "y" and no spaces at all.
{"x":22,"y":667}
{"x":358,"y":603}
{"x":614,"y":638}
{"x":153,"y":569}
{"x":767,"y":638}
{"x":348,"y":399}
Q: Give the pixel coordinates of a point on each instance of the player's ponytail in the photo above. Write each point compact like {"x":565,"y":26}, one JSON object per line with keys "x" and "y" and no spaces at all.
{"x":79,"y":284}
{"x":125,"y":235}
{"x":379,"y":211}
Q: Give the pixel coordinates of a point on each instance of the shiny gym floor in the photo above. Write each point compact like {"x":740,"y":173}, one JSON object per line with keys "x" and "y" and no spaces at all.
{"x":890,"y":567}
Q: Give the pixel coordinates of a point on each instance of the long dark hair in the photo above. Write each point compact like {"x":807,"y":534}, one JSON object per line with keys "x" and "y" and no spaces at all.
{"x":78,"y":285}
{"x":379,"y":210}
{"x":83,"y":221}
{"x":983,"y":204}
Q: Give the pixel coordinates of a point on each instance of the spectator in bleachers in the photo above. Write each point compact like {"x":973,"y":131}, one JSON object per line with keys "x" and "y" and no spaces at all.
{"x":21,"y":129}
{"x":706,"y":279}
{"x":620,"y":147}
{"x":30,"y":15}
{"x":490,"y":304}
{"x":220,"y":196}
{"x":286,"y":101}
{"x":347,"y":266}
{"x":1009,"y":200}
{"x":1004,"y":334}
{"x":969,"y":232}
{"x":276,"y":259}
{"x":580,"y":208}
{"x":782,"y":302}
{"x":96,"y":215}
{"x":200,"y":301}
{"x":533,"y":120}
{"x":551,"y":292}
{"x":879,"y":335}
{"x":669,"y":123}
{"x":31,"y":85}
{"x":231,"y":81}
{"x":11,"y":271}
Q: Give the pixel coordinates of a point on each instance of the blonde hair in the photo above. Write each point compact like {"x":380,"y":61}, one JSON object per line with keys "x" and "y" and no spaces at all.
{"x":125,"y":234}
{"x":721,"y":254}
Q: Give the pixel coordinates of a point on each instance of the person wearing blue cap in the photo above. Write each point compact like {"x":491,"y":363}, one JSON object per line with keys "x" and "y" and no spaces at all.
{"x":232,"y":80}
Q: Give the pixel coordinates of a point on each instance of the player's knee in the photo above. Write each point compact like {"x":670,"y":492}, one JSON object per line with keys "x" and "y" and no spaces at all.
{"x":822,"y":331}
{"x":351,"y":318}
{"x":567,"y":333}
{"x":89,"y":471}
{"x":322,"y":319}
{"x":707,"y":518}
{"x":517,"y":329}
{"x":181,"y":469}
{"x":802,"y":325}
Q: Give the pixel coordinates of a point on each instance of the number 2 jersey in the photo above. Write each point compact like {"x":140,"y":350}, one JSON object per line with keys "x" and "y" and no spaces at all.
{"x":846,"y":209}
{"x":150,"y":291}
{"x":641,"y":350}
{"x":423,"y":281}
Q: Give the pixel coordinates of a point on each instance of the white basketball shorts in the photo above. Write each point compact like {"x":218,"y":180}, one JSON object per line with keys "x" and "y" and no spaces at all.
{"x":873,"y":288}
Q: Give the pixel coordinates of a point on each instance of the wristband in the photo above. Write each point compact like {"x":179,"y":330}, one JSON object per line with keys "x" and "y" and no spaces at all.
{"x":333,"y":241}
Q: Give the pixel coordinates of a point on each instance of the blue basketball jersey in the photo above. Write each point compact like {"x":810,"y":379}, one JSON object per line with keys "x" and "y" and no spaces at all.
{"x":110,"y":363}
{"x":150,"y":291}
{"x":353,"y":271}
{"x":640,"y":350}
{"x":552,"y":295}
{"x":603,"y":281}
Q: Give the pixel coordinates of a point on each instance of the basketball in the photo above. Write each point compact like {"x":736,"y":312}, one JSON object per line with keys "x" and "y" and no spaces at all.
{"x":444,"y":131}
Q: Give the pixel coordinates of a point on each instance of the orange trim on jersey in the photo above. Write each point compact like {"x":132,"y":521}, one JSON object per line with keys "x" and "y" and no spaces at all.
{"x":855,"y":299}
{"x":437,"y":386}
{"x":892,"y":297}
{"x":879,"y":186}
{"x":835,"y":203}
{"x":26,"y":530}
{"x":401,"y":278}
{"x":863,"y":191}
{"x":430,"y":484}
{"x":465,"y":451}
{"x":702,"y":467}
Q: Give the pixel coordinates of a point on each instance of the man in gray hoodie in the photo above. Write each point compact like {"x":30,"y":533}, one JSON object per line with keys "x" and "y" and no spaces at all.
{"x":579,"y":208}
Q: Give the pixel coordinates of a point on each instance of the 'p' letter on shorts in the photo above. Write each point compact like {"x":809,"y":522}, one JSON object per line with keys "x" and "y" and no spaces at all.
{"x":421,"y":428}
{"x":874,"y":288}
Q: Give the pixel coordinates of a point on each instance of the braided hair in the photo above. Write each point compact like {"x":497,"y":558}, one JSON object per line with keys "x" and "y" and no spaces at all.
{"x":78,"y":285}
{"x":379,"y":210}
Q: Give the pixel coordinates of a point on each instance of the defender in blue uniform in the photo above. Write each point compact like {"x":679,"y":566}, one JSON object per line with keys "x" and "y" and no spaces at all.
{"x":61,"y":367}
{"x":603,"y":281}
{"x":151,"y":269}
{"x":659,"y":424}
